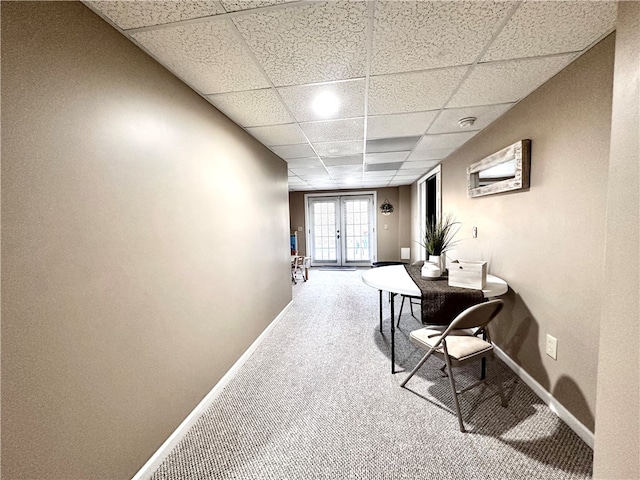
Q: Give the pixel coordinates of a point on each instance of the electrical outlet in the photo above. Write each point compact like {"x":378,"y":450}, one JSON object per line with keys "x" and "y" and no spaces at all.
{"x":552,"y":347}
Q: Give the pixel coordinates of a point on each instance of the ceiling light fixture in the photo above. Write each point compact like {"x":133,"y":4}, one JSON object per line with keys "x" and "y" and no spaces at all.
{"x":466,"y":122}
{"x":325,"y":104}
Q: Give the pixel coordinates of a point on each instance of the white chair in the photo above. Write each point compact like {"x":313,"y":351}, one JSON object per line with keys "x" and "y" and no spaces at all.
{"x":459,"y":345}
{"x":297,"y":264}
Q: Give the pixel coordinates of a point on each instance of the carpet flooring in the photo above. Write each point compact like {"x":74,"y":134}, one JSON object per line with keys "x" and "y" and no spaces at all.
{"x":317,"y":400}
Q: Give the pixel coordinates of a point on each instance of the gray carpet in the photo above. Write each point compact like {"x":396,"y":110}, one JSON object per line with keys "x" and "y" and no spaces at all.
{"x":317,"y":401}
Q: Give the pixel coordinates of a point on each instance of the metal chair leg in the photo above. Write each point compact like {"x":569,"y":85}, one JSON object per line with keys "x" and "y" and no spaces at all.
{"x":417,"y":367}
{"x":454,"y":392}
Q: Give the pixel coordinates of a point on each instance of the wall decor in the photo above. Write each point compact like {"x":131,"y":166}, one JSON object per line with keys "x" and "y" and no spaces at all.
{"x":504,"y":171}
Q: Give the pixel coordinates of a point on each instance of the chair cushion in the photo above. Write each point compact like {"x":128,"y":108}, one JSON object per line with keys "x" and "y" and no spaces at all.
{"x":461,"y":344}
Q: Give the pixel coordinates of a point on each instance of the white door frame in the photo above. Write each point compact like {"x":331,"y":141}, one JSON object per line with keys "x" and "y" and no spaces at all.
{"x":340,"y":193}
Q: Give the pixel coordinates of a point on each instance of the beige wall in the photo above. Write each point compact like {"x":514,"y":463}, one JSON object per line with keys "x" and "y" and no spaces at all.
{"x":396,"y":235}
{"x":547,"y":242}
{"x":144,"y":246}
{"x":617,"y":445}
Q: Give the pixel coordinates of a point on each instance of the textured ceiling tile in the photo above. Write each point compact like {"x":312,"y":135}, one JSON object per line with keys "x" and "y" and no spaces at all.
{"x":429,"y":154}
{"x":375,"y":167}
{"x":423,"y":165}
{"x":447,"y":121}
{"x":406,"y":178}
{"x":389,"y":157}
{"x":128,"y":14}
{"x":399,"y":125}
{"x":348,"y":160}
{"x":379,"y":174}
{"x":287,"y":152}
{"x":395,"y":144}
{"x":413,"y":92}
{"x":350,"y":95}
{"x":309,"y":43}
{"x":334,"y":130}
{"x":311,"y":162}
{"x":278,"y":134}
{"x":206,"y":55}
{"x":411,"y":36}
{"x":338,"y":149}
{"x":444,"y":140}
{"x":308,"y":174}
{"x":416,"y":172}
{"x":252,"y":108}
{"x":340,"y":171}
{"x":237,"y":5}
{"x":544,"y":28}
{"x":508,"y":81}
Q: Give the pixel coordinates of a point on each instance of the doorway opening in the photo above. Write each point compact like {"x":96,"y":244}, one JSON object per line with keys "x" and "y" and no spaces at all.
{"x":341,"y":229}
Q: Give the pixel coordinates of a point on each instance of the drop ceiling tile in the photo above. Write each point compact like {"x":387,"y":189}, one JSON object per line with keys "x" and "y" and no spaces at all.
{"x":272,"y":135}
{"x":339,"y":149}
{"x":378,"y":175}
{"x":252,"y":108}
{"x":508,"y":81}
{"x":378,"y":167}
{"x":566,"y":27}
{"x":319,"y":176}
{"x":411,"y":36}
{"x":387,"y":157}
{"x":348,"y":160}
{"x":349,"y":93}
{"x":334,"y":130}
{"x":237,"y":5}
{"x":344,"y":170}
{"x":313,"y":162}
{"x":396,"y":144}
{"x":206,"y":55}
{"x":415,"y":172}
{"x":420,"y":164}
{"x":447,"y":121}
{"x":399,"y":125}
{"x":429,"y":154}
{"x":444,"y":140}
{"x":288,"y":152}
{"x":127,"y":14}
{"x":405,"y":178}
{"x":413,"y":92}
{"x":308,"y":43}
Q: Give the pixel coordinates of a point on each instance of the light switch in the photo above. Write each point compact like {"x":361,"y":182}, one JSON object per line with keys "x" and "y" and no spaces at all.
{"x":474,"y":232}
{"x":386,"y":227}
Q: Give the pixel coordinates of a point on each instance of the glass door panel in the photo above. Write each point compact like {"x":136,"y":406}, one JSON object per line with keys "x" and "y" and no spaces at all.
{"x":357,"y":229}
{"x":324,"y":217}
{"x":341,"y":230}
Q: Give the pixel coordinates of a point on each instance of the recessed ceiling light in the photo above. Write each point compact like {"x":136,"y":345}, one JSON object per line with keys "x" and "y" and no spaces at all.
{"x":326,"y":104}
{"x":466,"y":122}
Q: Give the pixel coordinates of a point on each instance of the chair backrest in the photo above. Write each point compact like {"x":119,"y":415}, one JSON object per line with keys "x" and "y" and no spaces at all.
{"x":476,"y":316}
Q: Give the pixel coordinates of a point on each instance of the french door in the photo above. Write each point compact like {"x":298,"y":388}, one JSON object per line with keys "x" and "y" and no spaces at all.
{"x":341,"y":230}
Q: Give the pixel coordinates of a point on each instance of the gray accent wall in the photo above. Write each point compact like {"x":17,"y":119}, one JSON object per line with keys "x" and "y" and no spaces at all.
{"x":617,"y":445}
{"x":547,"y":242}
{"x":568,"y":246}
{"x":144,"y":246}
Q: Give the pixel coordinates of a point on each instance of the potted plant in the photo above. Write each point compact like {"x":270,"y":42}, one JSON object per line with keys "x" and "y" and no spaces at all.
{"x":438,"y":238}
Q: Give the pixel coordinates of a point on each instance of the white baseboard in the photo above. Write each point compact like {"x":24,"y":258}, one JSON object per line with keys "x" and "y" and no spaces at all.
{"x":157,"y":458}
{"x":556,"y":407}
